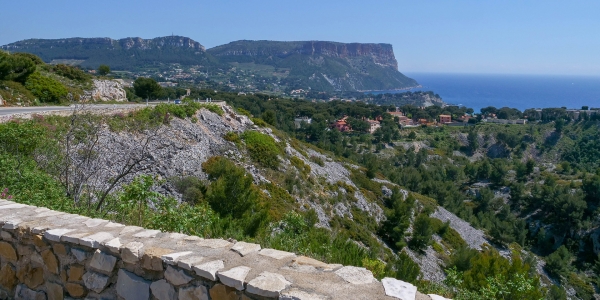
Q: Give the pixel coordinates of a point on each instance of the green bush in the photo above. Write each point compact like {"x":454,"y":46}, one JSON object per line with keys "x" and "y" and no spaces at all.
{"x":376,"y":266}
{"x":232,"y":137}
{"x":46,"y":88}
{"x":259,"y":122}
{"x":262,"y":149}
{"x":232,"y":192}
{"x":585,"y":291}
{"x":213,"y":108}
{"x":559,"y":262}
{"x":72,"y":73}
{"x":317,"y":160}
{"x":20,"y":139}
{"x":191,"y":188}
{"x":406,"y":268}
{"x":15,"y":67}
{"x":300,"y":165}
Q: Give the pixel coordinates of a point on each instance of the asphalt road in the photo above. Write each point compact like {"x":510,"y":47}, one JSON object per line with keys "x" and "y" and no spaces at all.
{"x":20,"y":110}
{"x":4,"y":111}
{"x":36,"y":109}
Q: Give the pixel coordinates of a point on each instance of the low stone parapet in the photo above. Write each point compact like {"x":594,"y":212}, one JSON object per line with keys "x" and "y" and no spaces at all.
{"x":45,"y":254}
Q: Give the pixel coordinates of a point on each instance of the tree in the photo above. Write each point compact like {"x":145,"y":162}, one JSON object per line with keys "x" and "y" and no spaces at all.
{"x":15,"y":67}
{"x":559,"y":262}
{"x":269,"y":117}
{"x":232,"y":193}
{"x":529,"y":166}
{"x":146,"y":87}
{"x":473,"y":140}
{"x":422,"y":232}
{"x":359,"y":125}
{"x":103,"y":70}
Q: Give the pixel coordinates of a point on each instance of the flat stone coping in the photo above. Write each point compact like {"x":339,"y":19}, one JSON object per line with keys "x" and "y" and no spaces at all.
{"x":243,"y":266}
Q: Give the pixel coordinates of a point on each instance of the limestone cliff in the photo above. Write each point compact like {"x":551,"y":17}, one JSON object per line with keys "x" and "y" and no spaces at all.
{"x":122,"y":54}
{"x":322,"y":65}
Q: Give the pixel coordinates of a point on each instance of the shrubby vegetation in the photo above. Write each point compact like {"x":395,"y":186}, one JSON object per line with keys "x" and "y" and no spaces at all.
{"x":534,"y":188}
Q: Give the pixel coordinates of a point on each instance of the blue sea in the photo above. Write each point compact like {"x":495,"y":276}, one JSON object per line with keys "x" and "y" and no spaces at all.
{"x":517,"y":91}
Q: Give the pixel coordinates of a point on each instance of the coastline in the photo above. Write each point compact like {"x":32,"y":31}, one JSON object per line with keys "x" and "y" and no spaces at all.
{"x":392,"y":90}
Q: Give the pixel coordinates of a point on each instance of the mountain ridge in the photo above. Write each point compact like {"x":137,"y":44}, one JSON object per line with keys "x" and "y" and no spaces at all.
{"x":316,"y":65}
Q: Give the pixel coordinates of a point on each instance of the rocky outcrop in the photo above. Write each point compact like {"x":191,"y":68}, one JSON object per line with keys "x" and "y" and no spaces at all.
{"x":106,"y":90}
{"x":48,"y":254}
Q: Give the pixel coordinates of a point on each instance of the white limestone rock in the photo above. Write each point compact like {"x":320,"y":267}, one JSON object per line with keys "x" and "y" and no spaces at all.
{"x":296,"y":294}
{"x":173,"y":258}
{"x":55,"y":234}
{"x":73,"y":237}
{"x":214,"y":243}
{"x":267,"y":284}
{"x":95,"y":222}
{"x":188,"y":262}
{"x":234,"y":277}
{"x":437,"y":297}
{"x":105,"y":90}
{"x":130,"y":229}
{"x":399,"y":289}
{"x":244,"y":248}
{"x":276,"y":254}
{"x":209,"y":270}
{"x":356,"y":275}
{"x":131,"y":252}
{"x":113,"y":245}
{"x":94,"y":240}
{"x":147,"y":234}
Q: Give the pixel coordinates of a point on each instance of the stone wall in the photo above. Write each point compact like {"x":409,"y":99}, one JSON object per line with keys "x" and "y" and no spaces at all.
{"x":46,"y":254}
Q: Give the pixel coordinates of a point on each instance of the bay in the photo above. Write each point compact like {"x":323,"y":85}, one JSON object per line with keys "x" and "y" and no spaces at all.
{"x":517,"y":91}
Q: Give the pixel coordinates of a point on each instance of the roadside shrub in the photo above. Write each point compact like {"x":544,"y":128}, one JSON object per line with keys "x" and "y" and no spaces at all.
{"x":262,"y":149}
{"x":71,"y":72}
{"x":212,"y":107}
{"x":46,"y":88}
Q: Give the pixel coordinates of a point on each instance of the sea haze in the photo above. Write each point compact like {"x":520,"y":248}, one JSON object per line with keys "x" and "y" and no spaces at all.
{"x":518,"y":91}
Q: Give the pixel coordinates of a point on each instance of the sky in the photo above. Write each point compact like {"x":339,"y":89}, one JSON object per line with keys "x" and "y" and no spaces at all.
{"x":484,"y":36}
